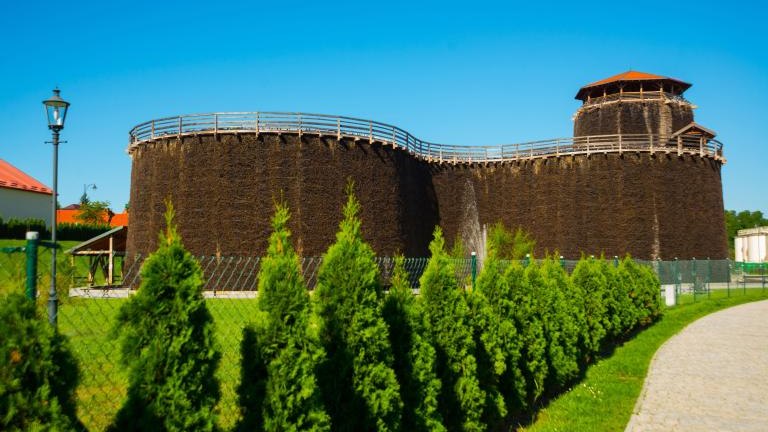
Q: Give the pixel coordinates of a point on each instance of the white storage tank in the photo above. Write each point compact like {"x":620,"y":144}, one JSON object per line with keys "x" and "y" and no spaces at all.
{"x":751,"y":245}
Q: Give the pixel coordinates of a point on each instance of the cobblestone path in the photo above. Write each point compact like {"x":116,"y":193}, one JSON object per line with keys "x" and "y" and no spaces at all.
{"x":712,"y":376}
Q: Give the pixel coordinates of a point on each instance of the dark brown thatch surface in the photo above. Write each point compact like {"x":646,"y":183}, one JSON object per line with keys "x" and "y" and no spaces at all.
{"x":223,"y":190}
{"x":632,"y":117}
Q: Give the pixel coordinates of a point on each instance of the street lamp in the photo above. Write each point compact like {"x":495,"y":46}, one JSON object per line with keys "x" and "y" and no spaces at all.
{"x":84,"y":199}
{"x":56,"y":110}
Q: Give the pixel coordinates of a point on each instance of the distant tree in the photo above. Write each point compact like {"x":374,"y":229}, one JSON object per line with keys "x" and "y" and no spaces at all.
{"x":279,"y":390}
{"x":359,"y":385}
{"x":414,"y":356}
{"x":168,"y":344}
{"x":93,"y":212}
{"x":741,"y":220}
{"x":39,"y":374}
{"x":508,"y":245}
{"x":448,"y":327}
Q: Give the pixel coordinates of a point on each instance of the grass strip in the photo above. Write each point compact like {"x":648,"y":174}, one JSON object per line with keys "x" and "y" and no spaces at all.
{"x":604,"y":400}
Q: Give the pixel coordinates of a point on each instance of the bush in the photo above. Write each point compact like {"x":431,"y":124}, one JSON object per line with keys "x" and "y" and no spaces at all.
{"x":414,"y":356}
{"x":530,"y":328}
{"x":496,"y":289}
{"x":39,"y":372}
{"x":644,"y":291}
{"x":358,"y":382}
{"x":17,"y":229}
{"x":448,"y":329}
{"x":560,"y":327}
{"x":168,"y":345}
{"x":590,"y":284}
{"x":279,"y":390}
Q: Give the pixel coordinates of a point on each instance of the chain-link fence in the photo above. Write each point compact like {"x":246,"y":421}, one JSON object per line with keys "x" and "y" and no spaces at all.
{"x":87,"y":315}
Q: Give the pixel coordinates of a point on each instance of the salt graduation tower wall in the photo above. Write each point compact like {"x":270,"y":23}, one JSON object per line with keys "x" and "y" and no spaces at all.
{"x":651,"y":204}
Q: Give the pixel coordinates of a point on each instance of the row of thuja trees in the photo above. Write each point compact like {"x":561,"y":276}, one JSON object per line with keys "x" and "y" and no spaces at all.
{"x":352,"y":358}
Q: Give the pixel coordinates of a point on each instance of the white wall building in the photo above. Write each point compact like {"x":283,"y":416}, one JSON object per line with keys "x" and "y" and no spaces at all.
{"x":752,"y":245}
{"x":21,"y":196}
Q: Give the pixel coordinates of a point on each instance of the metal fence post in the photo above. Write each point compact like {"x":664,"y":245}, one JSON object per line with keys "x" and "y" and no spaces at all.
{"x":693,"y":276}
{"x":526,"y":260}
{"x":474,"y":269}
{"x":678,"y":278}
{"x":615,"y":261}
{"x":31,"y":249}
{"x":709,"y":278}
{"x":728,"y":277}
{"x":562,"y":261}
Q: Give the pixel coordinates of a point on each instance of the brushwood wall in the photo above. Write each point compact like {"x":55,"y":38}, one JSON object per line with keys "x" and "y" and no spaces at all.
{"x":223,"y":188}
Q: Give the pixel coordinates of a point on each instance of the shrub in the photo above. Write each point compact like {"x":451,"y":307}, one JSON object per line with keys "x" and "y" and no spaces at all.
{"x":414,"y":356}
{"x":619,"y":306}
{"x":645,"y":290}
{"x":590,"y":283}
{"x":496,"y":289}
{"x":359,"y":385}
{"x":528,"y":322}
{"x":447,"y":327}
{"x":559,"y":321}
{"x":39,"y":372}
{"x":168,"y":344}
{"x":278,"y":390}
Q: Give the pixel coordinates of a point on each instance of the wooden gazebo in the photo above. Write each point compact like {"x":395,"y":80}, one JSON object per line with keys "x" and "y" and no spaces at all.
{"x":101,"y":252}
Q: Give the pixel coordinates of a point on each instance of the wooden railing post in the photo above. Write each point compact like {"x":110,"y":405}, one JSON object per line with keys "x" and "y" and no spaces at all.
{"x":215,"y":127}
{"x":257,"y":123}
{"x":153,"y":129}
{"x":338,"y":128}
{"x":180,"y":125}
{"x":370,"y":131}
{"x":679,"y":145}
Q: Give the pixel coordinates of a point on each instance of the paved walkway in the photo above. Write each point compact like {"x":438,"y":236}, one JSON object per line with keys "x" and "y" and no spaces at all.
{"x":712,"y":376}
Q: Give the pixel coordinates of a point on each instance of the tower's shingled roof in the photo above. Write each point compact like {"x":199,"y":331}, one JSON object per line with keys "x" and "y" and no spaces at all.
{"x":630,"y":76}
{"x":13,"y":178}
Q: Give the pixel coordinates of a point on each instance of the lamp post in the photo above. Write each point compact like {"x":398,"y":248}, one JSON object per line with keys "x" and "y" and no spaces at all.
{"x":84,"y":199}
{"x":56,"y":110}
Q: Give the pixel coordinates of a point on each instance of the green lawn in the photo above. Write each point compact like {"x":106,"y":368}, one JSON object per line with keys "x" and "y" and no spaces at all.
{"x":604,"y":400}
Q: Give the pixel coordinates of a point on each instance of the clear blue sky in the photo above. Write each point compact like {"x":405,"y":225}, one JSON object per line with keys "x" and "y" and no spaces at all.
{"x":469,"y":73}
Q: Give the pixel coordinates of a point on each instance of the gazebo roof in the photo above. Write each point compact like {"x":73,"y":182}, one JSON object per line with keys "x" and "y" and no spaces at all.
{"x":100,"y":244}
{"x":628,"y":77}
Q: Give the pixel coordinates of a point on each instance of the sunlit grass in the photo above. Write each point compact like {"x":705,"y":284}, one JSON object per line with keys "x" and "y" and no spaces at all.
{"x":604,"y":400}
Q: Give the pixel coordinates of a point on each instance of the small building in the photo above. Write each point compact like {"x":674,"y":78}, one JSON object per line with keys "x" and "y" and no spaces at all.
{"x":751,"y":245}
{"x":21,"y":196}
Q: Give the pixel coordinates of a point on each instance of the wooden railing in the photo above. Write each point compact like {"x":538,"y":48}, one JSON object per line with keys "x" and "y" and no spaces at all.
{"x":372,"y":131}
{"x":636,"y":96}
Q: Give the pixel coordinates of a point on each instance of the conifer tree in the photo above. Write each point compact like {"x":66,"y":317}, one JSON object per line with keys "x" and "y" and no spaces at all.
{"x":560,"y":323}
{"x":168,"y":344}
{"x":414,"y":356}
{"x":39,"y":373}
{"x":500,"y":322}
{"x":530,"y":328}
{"x":590,"y":283}
{"x":447,"y":324}
{"x":357,"y":379}
{"x":644,"y":290}
{"x":619,"y":307}
{"x":279,"y":390}
{"x":490,"y":357}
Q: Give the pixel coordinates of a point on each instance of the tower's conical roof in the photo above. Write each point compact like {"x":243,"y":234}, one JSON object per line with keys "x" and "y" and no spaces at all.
{"x":631,"y":76}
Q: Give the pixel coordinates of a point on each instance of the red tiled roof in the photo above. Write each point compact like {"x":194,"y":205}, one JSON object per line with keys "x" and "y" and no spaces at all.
{"x":119,"y":219}
{"x":631,"y":75}
{"x":13,"y":178}
{"x":68,"y":216}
